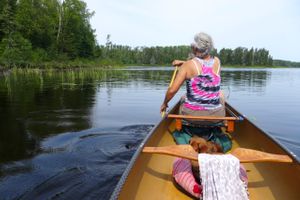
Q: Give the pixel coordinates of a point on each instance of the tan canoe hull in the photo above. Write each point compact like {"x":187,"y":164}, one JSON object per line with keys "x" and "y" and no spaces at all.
{"x":149,"y":176}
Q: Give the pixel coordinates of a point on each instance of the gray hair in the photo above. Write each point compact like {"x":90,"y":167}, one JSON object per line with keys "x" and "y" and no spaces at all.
{"x":203,"y":43}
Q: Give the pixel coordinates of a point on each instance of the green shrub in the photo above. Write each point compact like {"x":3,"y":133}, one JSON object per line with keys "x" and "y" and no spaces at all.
{"x":15,"y":51}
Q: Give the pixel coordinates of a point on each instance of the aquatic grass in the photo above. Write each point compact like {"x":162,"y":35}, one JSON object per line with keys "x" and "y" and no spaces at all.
{"x":75,"y":78}
{"x":67,"y":78}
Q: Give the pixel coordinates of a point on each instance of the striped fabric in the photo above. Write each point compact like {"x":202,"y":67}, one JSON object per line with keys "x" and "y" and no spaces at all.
{"x":203,"y":91}
{"x":183,"y":175}
{"x":182,"y":172}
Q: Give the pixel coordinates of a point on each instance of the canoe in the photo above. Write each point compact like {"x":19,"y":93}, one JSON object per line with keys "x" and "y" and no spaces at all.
{"x":148,"y":176}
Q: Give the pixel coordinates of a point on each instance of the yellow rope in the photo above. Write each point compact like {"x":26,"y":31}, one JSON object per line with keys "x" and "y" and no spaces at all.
{"x":171,"y":83}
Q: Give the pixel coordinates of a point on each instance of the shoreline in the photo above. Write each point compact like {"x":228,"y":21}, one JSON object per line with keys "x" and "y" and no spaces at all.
{"x":60,"y":67}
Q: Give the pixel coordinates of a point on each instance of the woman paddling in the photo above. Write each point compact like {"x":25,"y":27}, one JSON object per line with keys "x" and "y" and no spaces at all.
{"x":203,"y":98}
{"x":202,"y":76}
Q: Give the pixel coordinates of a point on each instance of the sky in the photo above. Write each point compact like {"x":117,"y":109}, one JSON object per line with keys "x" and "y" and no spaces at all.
{"x":270,"y":24}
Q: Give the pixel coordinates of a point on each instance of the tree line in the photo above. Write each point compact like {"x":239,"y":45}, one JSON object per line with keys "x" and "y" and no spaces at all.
{"x":33,"y":32}
{"x":165,"y":55}
{"x":285,"y":63}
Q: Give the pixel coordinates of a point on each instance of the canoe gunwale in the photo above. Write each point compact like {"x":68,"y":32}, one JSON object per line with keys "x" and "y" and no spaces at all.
{"x":119,"y":186}
{"x":285,"y":149}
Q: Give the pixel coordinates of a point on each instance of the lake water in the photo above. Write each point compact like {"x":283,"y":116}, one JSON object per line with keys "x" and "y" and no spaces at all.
{"x":70,"y":134}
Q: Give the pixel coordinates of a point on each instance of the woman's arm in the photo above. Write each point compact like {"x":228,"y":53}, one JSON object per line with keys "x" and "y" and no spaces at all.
{"x":172,"y":90}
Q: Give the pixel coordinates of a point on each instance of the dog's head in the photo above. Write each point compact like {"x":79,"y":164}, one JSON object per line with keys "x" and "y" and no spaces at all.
{"x":200,"y":145}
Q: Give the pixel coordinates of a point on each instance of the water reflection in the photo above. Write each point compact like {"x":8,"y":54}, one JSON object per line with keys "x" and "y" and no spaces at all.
{"x":36,"y":104}
{"x":246,"y":80}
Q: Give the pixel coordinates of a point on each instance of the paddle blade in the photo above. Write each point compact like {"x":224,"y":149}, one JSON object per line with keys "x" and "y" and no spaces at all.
{"x":250,"y":155}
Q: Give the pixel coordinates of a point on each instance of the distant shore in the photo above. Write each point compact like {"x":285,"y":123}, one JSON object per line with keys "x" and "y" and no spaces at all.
{"x":256,"y":66}
{"x":71,"y":66}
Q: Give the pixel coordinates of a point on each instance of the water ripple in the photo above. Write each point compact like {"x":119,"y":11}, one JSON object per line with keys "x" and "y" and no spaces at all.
{"x":74,"y":165}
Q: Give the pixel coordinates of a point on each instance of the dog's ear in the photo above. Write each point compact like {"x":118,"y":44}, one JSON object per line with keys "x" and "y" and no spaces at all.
{"x":219,"y":148}
{"x":194,"y":144}
{"x":213,"y":147}
{"x":203,"y":148}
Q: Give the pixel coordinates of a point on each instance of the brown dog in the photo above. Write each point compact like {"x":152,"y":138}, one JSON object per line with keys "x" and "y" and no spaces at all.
{"x":200,"y":145}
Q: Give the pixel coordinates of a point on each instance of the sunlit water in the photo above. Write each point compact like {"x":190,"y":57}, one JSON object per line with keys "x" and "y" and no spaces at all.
{"x":71,"y":134}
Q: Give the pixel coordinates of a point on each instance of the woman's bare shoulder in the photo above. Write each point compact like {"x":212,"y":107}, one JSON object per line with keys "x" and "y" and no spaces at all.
{"x":187,"y":63}
{"x":188,"y":68}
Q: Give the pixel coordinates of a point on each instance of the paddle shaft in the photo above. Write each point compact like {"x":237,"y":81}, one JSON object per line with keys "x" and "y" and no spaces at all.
{"x":171,"y":151}
{"x":171,"y":83}
{"x":173,"y":76}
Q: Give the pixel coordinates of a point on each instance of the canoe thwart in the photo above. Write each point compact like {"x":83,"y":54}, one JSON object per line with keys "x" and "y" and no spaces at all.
{"x":244,"y":155}
{"x":208,"y":118}
{"x":229,"y":120}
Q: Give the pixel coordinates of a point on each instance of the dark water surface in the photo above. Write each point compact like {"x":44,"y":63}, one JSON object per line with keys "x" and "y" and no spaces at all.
{"x":70,"y":135}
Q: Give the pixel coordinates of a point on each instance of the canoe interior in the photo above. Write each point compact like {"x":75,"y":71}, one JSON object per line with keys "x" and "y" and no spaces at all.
{"x":150,"y":176}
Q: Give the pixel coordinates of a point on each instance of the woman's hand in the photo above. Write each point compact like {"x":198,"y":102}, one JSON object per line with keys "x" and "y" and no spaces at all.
{"x":177,"y":62}
{"x":163,"y":107}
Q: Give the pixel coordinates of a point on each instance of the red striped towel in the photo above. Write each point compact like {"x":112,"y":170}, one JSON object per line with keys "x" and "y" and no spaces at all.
{"x":182,"y":172}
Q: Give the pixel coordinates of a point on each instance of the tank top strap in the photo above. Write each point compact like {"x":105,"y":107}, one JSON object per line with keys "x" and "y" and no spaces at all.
{"x":218,"y":70}
{"x":196,"y":66}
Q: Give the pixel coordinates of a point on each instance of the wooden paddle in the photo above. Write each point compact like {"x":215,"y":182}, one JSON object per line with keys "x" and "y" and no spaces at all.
{"x":244,"y":155}
{"x":171,"y":83}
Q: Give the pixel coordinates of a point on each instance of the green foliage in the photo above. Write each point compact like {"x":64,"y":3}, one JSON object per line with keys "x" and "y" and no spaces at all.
{"x":165,"y":55}
{"x":37,"y":31}
{"x":244,"y":57}
{"x":285,"y":63}
{"x":141,"y":55}
{"x":15,"y":50}
{"x":37,"y":21}
{"x":39,"y":55}
{"x":7,"y":14}
{"x":77,"y":38}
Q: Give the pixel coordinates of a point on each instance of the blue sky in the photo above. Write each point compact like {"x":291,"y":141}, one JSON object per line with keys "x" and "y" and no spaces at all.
{"x":270,"y":24}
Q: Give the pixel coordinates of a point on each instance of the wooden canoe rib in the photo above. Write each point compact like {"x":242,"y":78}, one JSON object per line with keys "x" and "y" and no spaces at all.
{"x":148,"y":176}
